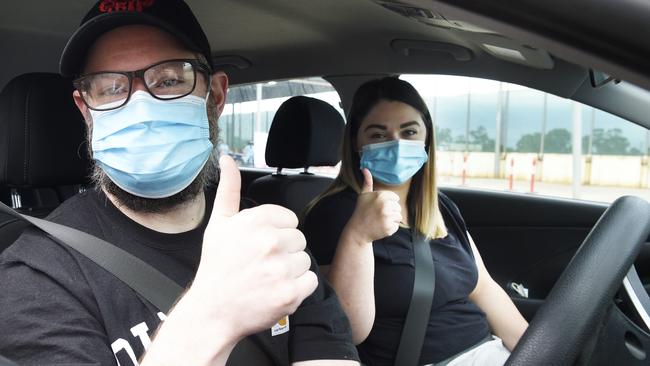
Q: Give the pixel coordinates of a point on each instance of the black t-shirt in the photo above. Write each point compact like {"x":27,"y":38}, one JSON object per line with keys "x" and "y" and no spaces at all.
{"x":56,"y":306}
{"x":455,"y":322}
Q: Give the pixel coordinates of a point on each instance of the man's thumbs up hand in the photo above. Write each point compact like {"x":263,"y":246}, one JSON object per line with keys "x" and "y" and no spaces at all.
{"x":226,"y":203}
{"x":253,"y":268}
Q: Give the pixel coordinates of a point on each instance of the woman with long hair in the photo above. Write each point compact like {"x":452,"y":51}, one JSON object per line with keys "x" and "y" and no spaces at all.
{"x":362,"y":229}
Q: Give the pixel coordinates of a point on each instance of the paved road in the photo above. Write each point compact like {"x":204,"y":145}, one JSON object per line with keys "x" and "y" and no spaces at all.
{"x":589,"y":193}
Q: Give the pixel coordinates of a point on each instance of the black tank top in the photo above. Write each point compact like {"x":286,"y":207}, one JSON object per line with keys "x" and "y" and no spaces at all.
{"x":455,"y":323}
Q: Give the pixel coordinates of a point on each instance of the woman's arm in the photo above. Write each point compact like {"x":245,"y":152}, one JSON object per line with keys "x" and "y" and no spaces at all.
{"x":352,"y":276}
{"x":376,"y":215}
{"x":504,"y":318}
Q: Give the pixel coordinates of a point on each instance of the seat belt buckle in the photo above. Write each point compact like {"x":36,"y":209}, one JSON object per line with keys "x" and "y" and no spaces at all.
{"x":518,"y":288}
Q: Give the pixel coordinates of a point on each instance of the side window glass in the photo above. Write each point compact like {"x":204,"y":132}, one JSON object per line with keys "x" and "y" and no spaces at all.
{"x":245,"y":122}
{"x":501,"y":136}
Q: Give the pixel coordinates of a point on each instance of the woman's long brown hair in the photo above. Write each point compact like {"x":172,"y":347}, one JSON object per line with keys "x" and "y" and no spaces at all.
{"x":422,"y":201}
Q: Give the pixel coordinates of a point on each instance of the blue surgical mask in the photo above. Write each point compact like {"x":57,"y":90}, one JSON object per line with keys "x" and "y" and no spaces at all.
{"x":394,"y":162}
{"x":152,"y":148}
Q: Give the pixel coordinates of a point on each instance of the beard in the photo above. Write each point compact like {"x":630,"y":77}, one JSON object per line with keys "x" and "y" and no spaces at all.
{"x":207,"y":177}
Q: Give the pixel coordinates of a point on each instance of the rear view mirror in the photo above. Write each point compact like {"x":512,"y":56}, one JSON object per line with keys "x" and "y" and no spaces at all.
{"x":599,"y":79}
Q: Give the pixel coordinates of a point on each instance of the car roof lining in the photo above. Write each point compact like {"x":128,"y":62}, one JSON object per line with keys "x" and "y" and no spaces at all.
{"x":333,"y":38}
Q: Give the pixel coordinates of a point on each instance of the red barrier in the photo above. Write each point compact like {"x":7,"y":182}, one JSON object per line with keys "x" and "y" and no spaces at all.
{"x":532,"y":176}
{"x":512,"y":171}
{"x":464,"y":170}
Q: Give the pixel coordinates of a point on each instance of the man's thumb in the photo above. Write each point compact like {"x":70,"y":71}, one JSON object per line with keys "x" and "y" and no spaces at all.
{"x":367,"y":181}
{"x":228,"y":192}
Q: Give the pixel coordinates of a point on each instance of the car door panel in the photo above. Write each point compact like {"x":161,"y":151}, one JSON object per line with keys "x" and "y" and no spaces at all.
{"x":530,"y":239}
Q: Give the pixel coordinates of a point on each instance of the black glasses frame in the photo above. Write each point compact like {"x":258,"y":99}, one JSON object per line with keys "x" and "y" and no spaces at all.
{"x":197,"y":65}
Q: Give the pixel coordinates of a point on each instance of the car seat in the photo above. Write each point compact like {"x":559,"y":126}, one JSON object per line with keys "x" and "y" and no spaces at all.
{"x":305,"y":132}
{"x":43,"y":157}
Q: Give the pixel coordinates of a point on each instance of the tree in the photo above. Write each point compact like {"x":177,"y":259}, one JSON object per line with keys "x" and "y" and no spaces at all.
{"x":557,"y":140}
{"x":529,"y":143}
{"x":480,"y":137}
{"x":460,"y":139}
{"x":443,"y":136}
{"x":609,"y":142}
{"x":634,"y":151}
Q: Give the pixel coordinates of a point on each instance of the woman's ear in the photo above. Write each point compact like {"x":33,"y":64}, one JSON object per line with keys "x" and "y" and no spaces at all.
{"x":219,"y":89}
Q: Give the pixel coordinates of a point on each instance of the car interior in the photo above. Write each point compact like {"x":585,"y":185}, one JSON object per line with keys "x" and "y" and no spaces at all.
{"x":557,"y":47}
{"x":41,"y":166}
{"x":304,"y":132}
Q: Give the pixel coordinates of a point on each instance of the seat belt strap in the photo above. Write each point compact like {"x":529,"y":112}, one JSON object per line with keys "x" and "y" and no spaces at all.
{"x":417,"y":317}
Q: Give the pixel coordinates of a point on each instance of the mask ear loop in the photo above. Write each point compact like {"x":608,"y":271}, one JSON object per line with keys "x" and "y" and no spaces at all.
{"x":207,"y":96}
{"x":209,"y":89}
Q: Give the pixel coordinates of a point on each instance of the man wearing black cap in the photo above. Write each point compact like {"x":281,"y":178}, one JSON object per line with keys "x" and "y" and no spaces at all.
{"x":150,"y":97}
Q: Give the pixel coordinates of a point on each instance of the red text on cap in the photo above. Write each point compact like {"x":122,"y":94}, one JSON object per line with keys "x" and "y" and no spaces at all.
{"x":109,"y":6}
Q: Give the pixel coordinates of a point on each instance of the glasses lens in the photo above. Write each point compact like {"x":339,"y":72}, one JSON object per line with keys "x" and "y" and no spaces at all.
{"x":105,"y":90}
{"x":170,"y":79}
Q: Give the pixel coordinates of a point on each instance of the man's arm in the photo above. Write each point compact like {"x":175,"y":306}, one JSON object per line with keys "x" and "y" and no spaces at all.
{"x":185,"y":329}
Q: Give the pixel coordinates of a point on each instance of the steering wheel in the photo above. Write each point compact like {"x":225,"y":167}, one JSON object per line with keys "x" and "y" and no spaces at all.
{"x":578,"y":302}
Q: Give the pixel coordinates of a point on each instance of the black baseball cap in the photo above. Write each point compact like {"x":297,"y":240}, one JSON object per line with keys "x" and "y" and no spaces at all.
{"x":174,"y":16}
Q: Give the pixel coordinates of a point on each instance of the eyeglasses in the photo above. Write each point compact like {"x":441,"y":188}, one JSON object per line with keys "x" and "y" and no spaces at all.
{"x":166,"y":80}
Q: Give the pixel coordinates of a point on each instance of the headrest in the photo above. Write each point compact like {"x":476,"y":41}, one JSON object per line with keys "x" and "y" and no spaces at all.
{"x":305,"y":132}
{"x":42,"y":133}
